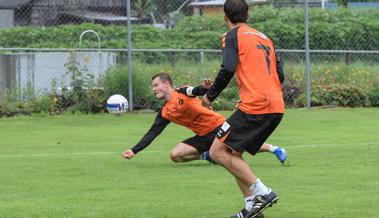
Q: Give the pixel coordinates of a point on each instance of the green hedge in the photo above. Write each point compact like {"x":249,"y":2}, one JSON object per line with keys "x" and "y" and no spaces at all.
{"x":337,"y":84}
{"x":41,"y":105}
{"x":329,"y":29}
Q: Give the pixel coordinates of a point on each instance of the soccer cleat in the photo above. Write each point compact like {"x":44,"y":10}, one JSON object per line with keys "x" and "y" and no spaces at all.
{"x":261,"y":202}
{"x":281,"y":154}
{"x":243,"y":214}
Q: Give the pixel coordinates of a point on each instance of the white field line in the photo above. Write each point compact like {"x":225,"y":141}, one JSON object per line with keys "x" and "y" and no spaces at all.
{"x":68,"y":154}
{"x":119,"y":153}
{"x":331,"y":145}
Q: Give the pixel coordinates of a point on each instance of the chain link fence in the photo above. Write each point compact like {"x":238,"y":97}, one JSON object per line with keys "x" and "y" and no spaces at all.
{"x":41,"y":71}
{"x":47,"y":71}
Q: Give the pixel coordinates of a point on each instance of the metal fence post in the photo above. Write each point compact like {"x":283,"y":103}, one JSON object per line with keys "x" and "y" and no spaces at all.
{"x":201,"y":66}
{"x":130,"y":77}
{"x":307,"y":59}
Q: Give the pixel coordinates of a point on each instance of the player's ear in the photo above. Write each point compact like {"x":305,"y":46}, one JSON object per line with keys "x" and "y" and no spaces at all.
{"x":167,"y":83}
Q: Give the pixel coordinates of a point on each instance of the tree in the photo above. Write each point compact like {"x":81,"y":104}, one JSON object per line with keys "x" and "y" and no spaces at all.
{"x":144,"y":7}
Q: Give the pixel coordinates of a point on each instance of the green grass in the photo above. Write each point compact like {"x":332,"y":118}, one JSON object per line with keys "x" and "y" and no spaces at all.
{"x":70,"y":166}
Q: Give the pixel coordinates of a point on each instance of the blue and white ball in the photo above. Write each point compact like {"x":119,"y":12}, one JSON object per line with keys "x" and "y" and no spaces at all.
{"x":117,"y":104}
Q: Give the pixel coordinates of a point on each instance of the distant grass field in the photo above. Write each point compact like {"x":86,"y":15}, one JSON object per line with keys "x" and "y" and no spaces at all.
{"x":70,"y":166}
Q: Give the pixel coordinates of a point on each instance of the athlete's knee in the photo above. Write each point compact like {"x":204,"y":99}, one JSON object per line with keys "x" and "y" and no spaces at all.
{"x":175,"y":156}
{"x":217,"y":153}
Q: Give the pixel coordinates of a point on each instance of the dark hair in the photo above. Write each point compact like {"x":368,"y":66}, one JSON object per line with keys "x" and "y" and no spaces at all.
{"x":236,"y":10}
{"x":164,"y":77}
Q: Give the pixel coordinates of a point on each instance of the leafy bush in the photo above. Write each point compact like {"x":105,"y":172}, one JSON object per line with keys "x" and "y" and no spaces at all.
{"x":9,"y":109}
{"x":227,"y":99}
{"x":339,"y":95}
{"x":44,"y":104}
{"x":41,"y":105}
{"x":374,"y":95}
{"x":360,"y":77}
{"x":291,"y":92}
{"x":82,"y":95}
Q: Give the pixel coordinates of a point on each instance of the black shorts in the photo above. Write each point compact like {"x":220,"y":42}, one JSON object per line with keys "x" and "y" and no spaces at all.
{"x":247,"y":132}
{"x":202,"y":143}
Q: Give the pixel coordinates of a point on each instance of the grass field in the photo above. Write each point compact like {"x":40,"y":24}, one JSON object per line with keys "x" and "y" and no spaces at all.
{"x":70,"y":166}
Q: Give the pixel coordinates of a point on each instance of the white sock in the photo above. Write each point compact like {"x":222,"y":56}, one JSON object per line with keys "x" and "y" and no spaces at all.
{"x":249,"y":203}
{"x":258,"y":188}
{"x":272,"y":148}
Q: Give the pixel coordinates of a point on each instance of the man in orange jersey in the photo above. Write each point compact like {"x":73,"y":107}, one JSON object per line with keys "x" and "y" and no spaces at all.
{"x":250,"y":55}
{"x":183,"y":108}
{"x":185,"y":111}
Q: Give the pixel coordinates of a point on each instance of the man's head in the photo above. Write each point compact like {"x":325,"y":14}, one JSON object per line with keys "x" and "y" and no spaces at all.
{"x":236,"y":11}
{"x":161,"y":85}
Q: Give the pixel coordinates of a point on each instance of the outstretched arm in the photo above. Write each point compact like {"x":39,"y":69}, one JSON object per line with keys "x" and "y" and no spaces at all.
{"x":196,"y":91}
{"x":158,"y":126}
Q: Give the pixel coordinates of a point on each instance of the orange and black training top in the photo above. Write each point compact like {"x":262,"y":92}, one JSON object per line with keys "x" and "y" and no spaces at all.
{"x":251,"y":55}
{"x":185,"y":111}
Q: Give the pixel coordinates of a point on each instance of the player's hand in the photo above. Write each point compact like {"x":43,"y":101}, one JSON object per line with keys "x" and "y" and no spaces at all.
{"x":205,"y":102}
{"x":236,"y":106}
{"x":129,"y":154}
{"x":207,"y":83}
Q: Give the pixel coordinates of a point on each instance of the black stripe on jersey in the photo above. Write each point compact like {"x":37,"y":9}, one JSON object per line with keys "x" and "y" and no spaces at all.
{"x":228,"y":66}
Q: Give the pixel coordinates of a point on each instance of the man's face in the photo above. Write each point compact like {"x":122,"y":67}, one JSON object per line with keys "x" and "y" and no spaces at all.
{"x":160,"y":89}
